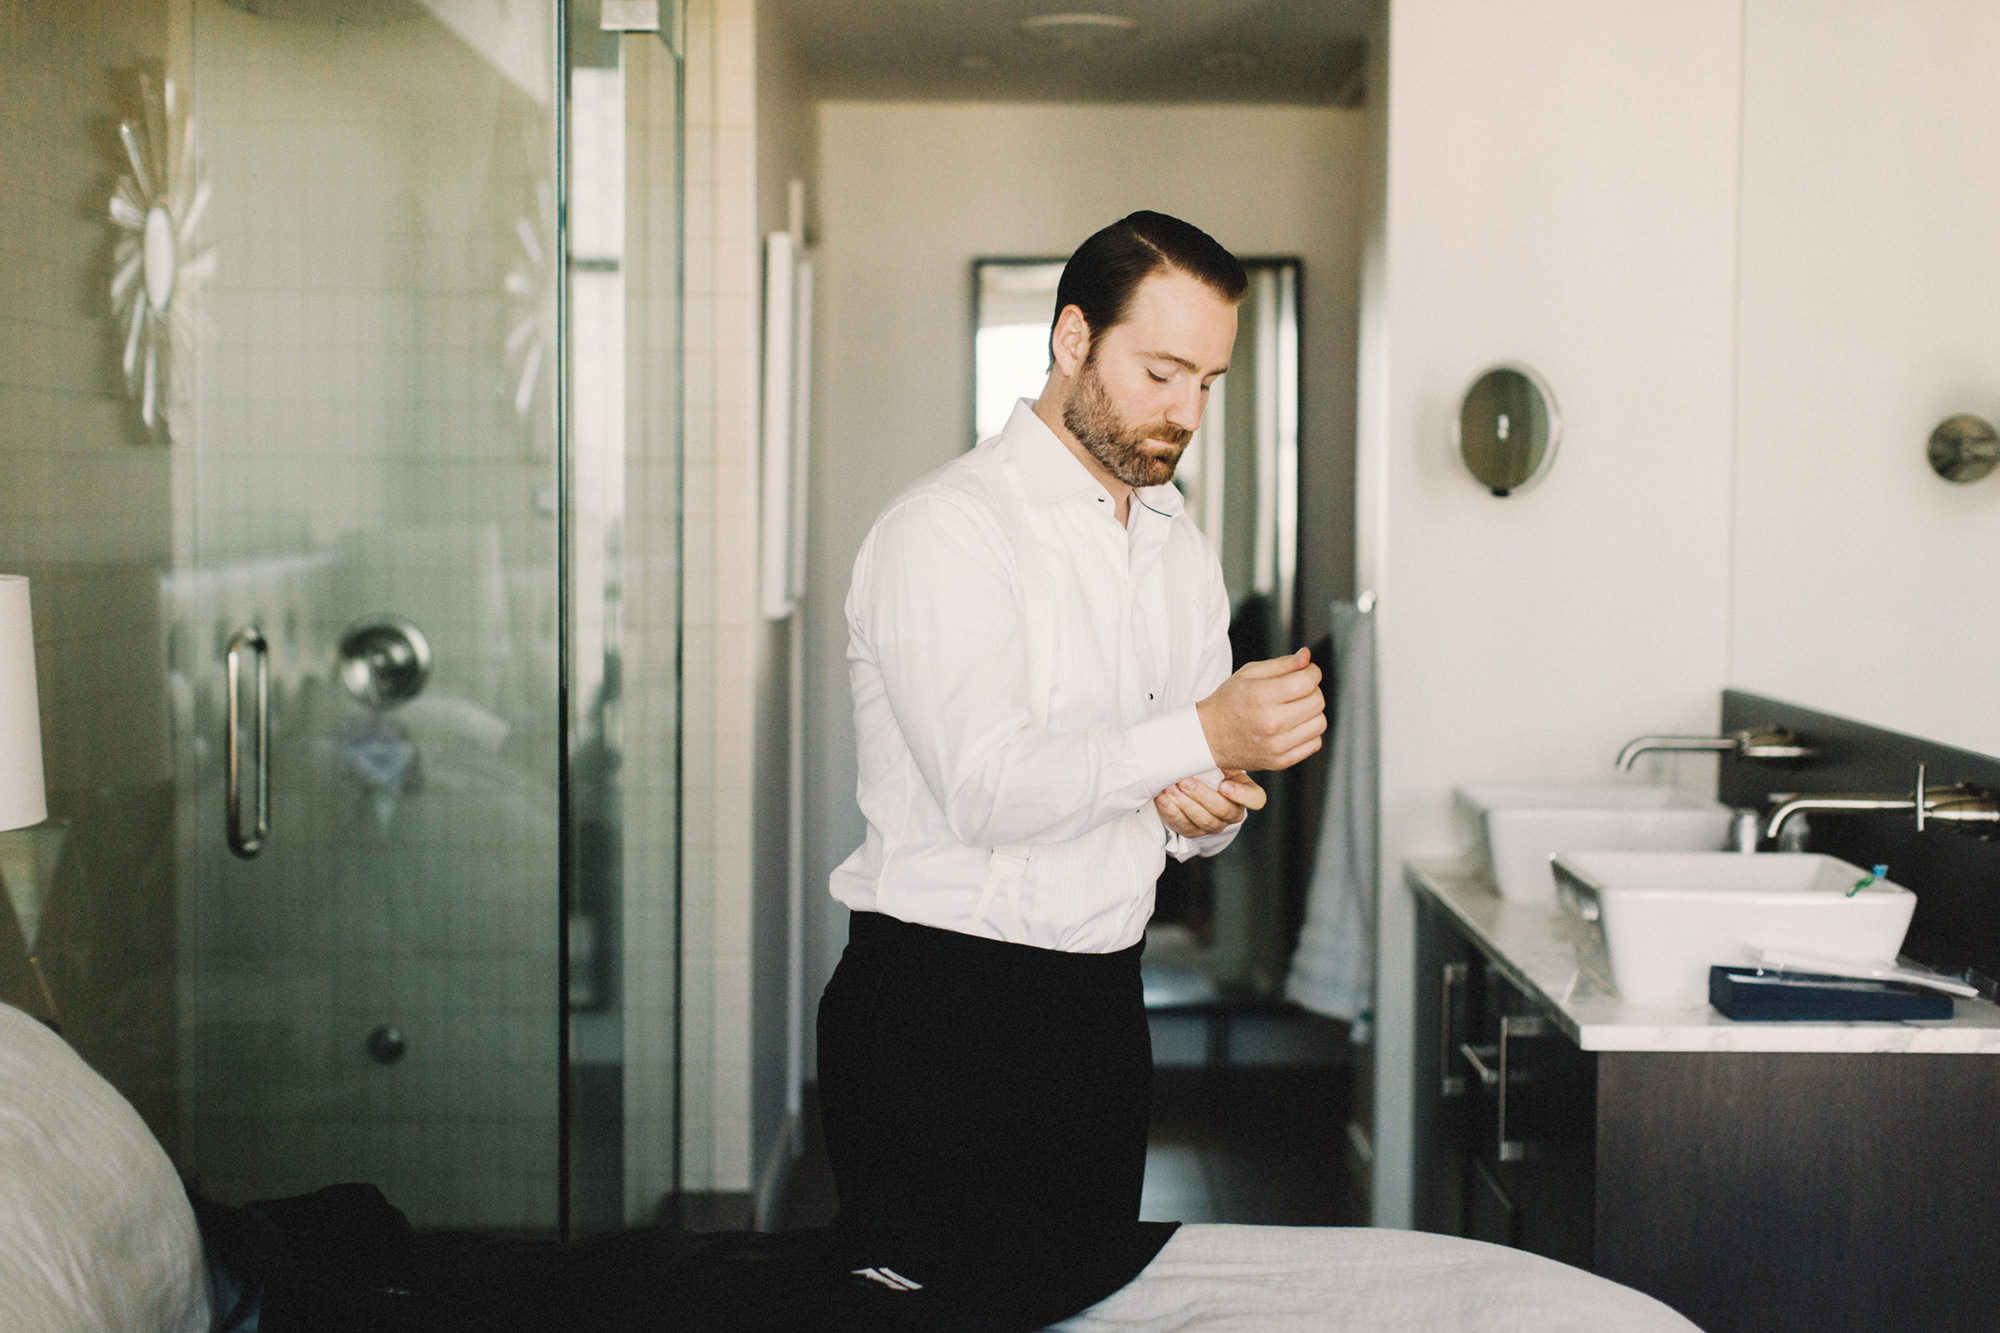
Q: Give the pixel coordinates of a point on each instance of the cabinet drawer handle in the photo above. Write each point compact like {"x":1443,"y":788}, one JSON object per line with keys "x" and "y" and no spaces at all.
{"x":1477,"y":1056}
{"x":1451,"y":1083}
{"x":1511,"y":1025}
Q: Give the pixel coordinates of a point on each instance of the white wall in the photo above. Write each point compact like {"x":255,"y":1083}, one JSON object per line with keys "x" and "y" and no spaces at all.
{"x":1561,"y":190}
{"x":911,"y":194}
{"x":1864,"y":584}
{"x":89,"y":515}
{"x":786,"y":150}
{"x":749,"y":130}
{"x":721,"y":631}
{"x":651,"y":949}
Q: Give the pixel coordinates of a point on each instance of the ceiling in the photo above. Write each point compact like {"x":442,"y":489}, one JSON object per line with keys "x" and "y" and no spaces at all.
{"x":1288,"y":51}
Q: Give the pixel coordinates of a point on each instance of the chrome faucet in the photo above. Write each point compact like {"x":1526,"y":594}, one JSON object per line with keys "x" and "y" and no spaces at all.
{"x":1768,"y":744}
{"x":1972,"y":810}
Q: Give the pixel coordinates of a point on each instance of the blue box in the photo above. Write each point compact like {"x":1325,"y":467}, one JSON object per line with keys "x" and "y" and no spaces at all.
{"x":1764,"y":995}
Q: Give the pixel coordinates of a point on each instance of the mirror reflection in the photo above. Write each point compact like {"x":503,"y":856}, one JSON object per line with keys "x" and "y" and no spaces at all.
{"x":1507,"y":429}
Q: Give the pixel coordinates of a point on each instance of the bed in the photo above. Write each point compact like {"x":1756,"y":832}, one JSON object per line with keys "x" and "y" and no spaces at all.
{"x":96,"y":1232}
{"x":1218,"y":1278}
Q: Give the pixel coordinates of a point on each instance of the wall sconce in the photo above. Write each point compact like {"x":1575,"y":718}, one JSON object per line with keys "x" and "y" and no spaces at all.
{"x":1963,"y":448}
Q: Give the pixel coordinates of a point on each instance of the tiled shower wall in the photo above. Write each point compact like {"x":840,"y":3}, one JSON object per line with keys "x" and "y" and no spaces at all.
{"x":691,"y":595}
{"x":651,"y":784}
{"x":720,"y":611}
{"x":86,"y":512}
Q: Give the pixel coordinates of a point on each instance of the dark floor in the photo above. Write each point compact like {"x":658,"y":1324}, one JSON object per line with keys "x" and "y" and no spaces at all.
{"x":1261,"y":1144}
{"x":1250,"y":1143}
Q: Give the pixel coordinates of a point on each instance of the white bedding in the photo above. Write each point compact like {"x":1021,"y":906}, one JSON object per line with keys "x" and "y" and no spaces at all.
{"x":96,"y":1232}
{"x":1213,"y":1278}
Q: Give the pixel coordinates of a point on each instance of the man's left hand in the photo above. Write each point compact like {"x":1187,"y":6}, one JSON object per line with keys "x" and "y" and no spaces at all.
{"x":1193,"y":808}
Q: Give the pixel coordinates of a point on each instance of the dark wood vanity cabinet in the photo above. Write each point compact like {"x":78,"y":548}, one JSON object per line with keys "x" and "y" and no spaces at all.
{"x":1748,"y":1190}
{"x":1506,"y":1108}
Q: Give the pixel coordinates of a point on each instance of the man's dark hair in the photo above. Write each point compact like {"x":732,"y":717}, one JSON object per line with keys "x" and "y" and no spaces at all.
{"x":1101,"y":276}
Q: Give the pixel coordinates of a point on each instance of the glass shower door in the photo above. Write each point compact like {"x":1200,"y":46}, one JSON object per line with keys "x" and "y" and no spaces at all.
{"x":368,"y":582}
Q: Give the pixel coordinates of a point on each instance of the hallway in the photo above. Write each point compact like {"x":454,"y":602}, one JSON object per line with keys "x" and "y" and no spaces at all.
{"x":1243,"y":1143}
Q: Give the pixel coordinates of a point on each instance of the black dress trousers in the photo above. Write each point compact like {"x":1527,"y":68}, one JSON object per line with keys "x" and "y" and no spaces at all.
{"x":985,"y":1109}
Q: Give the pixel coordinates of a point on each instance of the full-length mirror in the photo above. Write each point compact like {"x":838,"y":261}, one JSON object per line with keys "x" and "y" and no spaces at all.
{"x":1240,"y":478}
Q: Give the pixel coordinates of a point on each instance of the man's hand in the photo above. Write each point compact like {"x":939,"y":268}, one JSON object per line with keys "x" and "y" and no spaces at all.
{"x":1267,"y":716}
{"x":1194,"y":809}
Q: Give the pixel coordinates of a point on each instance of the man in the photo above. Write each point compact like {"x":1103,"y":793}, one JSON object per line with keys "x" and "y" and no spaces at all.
{"x":1044,"y":711}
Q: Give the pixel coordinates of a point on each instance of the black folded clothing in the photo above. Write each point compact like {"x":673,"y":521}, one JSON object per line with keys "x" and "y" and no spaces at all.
{"x":1764,"y":995}
{"x":345,"y":1260}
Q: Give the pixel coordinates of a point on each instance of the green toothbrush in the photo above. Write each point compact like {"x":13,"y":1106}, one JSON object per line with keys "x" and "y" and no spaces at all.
{"x":1877,"y":873}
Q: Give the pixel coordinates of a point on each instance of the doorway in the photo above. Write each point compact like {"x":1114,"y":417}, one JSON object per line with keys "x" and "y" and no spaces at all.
{"x":969,"y":141}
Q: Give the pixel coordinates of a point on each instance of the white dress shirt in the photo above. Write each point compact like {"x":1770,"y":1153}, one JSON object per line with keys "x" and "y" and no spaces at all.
{"x":953,"y":763}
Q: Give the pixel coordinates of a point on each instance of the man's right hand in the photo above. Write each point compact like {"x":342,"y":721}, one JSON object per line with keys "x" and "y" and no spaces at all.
{"x":1267,"y":716}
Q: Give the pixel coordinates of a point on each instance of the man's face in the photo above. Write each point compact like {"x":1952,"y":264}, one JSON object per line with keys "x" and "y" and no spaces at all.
{"x":1144,"y":383}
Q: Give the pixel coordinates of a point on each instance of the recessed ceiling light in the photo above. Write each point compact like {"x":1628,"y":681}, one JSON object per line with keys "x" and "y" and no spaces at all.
{"x":1074,"y":32}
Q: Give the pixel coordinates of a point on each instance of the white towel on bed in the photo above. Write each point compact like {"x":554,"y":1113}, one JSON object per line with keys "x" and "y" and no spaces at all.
{"x":1214,"y":1278}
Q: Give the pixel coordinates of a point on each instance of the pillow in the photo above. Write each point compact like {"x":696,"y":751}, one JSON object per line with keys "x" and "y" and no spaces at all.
{"x":96,"y":1232}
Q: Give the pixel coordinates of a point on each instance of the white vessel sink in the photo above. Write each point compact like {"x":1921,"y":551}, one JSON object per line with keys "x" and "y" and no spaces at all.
{"x":1522,"y":824}
{"x":1669,"y":916}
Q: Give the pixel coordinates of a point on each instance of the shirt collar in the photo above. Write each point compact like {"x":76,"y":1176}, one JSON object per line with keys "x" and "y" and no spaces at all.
{"x":1050,"y":472}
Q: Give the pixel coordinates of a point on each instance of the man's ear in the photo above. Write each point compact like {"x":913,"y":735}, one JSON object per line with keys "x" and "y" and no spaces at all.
{"x":1071,"y":342}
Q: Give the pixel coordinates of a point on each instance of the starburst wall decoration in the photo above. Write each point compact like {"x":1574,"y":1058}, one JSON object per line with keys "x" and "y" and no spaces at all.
{"x":157,"y":207}
{"x":531,"y":284}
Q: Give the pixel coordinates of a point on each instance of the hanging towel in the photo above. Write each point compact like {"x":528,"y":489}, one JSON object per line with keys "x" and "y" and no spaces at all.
{"x":1333,"y":968}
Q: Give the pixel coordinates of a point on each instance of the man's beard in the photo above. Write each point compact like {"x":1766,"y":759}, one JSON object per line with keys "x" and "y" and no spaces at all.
{"x":1117,"y":445}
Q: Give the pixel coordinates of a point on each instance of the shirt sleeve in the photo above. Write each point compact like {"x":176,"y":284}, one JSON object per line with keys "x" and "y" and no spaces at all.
{"x":1212,"y":667}
{"x":934,"y":604}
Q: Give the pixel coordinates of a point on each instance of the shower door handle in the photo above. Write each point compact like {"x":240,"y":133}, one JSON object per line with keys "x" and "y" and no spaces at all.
{"x":249,"y":639}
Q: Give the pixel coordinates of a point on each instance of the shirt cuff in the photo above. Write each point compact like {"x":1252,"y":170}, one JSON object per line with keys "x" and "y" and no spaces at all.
{"x":1186,"y":849}
{"x":1171,"y":746}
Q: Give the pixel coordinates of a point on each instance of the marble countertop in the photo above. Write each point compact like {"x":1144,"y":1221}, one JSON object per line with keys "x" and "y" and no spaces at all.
{"x":1552,"y":955}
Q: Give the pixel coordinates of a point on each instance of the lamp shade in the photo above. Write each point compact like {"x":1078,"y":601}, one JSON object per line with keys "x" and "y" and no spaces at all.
{"x":22,"y":798}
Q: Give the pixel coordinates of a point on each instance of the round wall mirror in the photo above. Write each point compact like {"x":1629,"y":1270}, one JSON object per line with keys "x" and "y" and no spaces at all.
{"x":1507,"y":428}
